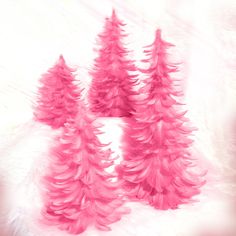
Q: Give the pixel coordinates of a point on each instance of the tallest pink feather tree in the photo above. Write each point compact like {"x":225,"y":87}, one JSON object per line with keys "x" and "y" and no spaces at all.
{"x":157,"y":165}
{"x":113,"y":79}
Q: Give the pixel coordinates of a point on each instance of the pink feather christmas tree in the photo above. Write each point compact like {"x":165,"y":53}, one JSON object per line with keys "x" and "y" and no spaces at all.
{"x":79,"y":190}
{"x":58,"y":95}
{"x":111,"y":92}
{"x":156,"y":142}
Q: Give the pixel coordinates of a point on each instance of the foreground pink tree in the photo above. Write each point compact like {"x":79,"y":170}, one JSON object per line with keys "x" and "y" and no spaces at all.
{"x":80,"y":192}
{"x":58,"y":95}
{"x":112,"y":84}
{"x":156,"y":143}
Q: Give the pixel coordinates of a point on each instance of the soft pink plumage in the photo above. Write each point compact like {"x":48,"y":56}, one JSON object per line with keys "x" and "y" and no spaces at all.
{"x":112,"y":85}
{"x":58,"y":95}
{"x":79,"y":190}
{"x":157,"y":159}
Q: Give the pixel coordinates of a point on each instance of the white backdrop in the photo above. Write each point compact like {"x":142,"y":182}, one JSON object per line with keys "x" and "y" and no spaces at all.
{"x":34,"y":34}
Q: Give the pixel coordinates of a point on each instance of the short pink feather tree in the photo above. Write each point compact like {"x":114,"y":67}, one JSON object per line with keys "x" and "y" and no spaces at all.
{"x":78,"y":189}
{"x":156,"y":141}
{"x":57,"y":96}
{"x":111,"y":93}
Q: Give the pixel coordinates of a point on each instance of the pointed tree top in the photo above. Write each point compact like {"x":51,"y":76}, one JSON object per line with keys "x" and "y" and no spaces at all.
{"x":114,"y":18}
{"x":113,"y":12}
{"x":114,"y":15}
{"x":158,"y":39}
{"x":158,"y":34}
{"x":61,"y":59}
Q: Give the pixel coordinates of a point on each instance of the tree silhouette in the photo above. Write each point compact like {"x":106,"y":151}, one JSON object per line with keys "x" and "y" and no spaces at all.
{"x":156,"y":142}
{"x":58,"y":95}
{"x":111,"y":92}
{"x":80,"y":192}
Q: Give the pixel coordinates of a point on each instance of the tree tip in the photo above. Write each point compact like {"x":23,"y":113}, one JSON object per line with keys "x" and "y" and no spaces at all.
{"x":158,"y":33}
{"x":159,"y":39}
{"x":113,"y":13}
{"x":61,"y":58}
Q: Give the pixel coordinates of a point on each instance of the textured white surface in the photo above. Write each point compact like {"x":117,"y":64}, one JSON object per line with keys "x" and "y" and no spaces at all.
{"x":34,"y":33}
